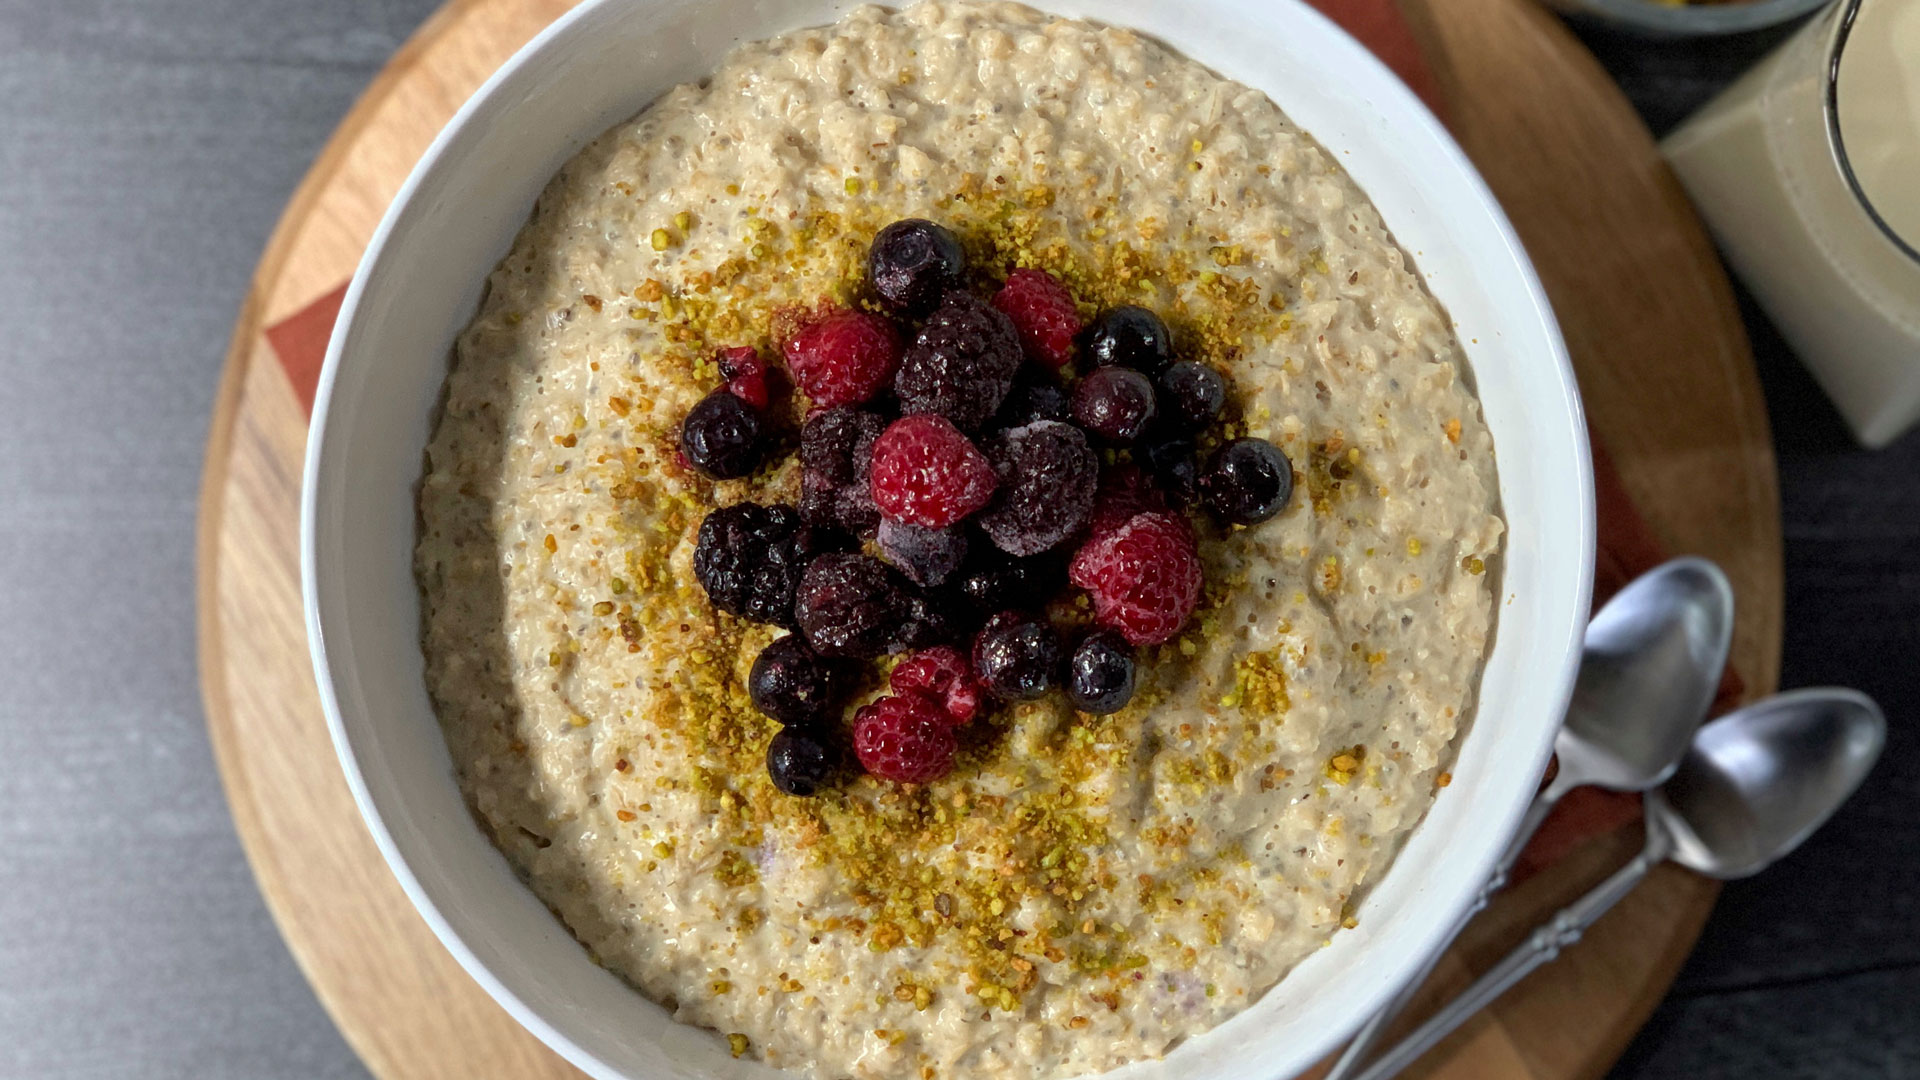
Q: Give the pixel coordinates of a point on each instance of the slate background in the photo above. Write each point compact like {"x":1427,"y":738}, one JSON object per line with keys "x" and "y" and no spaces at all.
{"x":146,"y":148}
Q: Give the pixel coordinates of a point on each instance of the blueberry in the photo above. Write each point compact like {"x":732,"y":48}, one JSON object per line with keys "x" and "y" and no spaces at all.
{"x":1100,"y":673}
{"x":721,"y":437}
{"x":1170,"y":461}
{"x":1247,"y":482}
{"x":1129,"y":336}
{"x":912,"y":263}
{"x":1191,"y":395}
{"x":926,"y":556}
{"x":795,"y":685}
{"x":1017,"y":656}
{"x":799,"y":763}
{"x":1114,"y":403}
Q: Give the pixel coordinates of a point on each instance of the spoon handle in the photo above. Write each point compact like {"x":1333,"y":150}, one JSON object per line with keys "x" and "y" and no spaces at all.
{"x":1543,"y":945}
{"x":1364,"y":1040}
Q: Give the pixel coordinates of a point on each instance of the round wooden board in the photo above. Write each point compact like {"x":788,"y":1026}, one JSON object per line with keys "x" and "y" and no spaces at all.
{"x":1663,"y":363}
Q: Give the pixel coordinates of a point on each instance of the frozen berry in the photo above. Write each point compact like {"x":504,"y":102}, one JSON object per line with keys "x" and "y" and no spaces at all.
{"x":750,"y":559}
{"x":745,"y":374}
{"x":932,"y":619}
{"x":1100,"y":673}
{"x":1247,"y":482}
{"x":1128,"y":336}
{"x":1047,"y":478}
{"x":799,"y":762}
{"x":795,"y":685}
{"x":1017,"y":656}
{"x":942,"y":674}
{"x":1145,"y":577}
{"x":851,"y":605}
{"x":1031,"y":400}
{"x":1170,"y":461}
{"x":926,"y":473}
{"x":991,"y":580}
{"x":906,"y":738}
{"x":721,"y":437}
{"x":912,"y":263}
{"x":835,"y":447}
{"x":1114,"y":403}
{"x":962,"y":364}
{"x":1191,"y":395}
{"x":1042,"y":310}
{"x":843,"y":357}
{"x":926,"y":556}
{"x":1125,"y":492}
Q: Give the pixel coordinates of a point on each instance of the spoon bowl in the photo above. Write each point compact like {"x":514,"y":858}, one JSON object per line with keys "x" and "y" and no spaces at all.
{"x":1648,"y":672}
{"x":1758,"y":782}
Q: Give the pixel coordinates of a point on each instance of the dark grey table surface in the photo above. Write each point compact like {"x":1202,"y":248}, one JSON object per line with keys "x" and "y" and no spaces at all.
{"x":146,"y":149}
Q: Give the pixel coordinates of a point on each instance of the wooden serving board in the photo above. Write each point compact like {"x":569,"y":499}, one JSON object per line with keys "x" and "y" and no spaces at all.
{"x":1663,"y":363}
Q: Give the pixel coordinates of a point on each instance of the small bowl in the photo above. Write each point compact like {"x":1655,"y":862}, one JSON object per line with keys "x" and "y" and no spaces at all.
{"x":420,"y":283}
{"x":1690,"y":20}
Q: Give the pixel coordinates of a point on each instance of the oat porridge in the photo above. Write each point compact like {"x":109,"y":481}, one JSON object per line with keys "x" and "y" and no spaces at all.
{"x":956,"y":546}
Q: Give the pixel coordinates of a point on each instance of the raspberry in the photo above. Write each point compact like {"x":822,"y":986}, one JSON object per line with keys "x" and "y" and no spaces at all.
{"x":1144,"y":576}
{"x":904,"y":738}
{"x":835,"y":447}
{"x":744,"y":374}
{"x":1124,"y":492}
{"x":750,"y":557}
{"x":962,"y":364}
{"x":926,"y":473}
{"x":843,"y":357}
{"x":1047,"y":474}
{"x":851,"y":605}
{"x":941,"y":674}
{"x":1042,"y":311}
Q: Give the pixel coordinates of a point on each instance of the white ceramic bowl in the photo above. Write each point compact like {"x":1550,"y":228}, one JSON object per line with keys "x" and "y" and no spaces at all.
{"x":421,"y":281}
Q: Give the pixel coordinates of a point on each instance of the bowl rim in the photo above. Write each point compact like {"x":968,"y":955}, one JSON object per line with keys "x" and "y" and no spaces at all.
{"x":1389,"y":84}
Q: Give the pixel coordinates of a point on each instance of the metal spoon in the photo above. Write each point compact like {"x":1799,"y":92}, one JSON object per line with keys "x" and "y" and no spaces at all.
{"x":1754,"y":785}
{"x":1649,"y":666}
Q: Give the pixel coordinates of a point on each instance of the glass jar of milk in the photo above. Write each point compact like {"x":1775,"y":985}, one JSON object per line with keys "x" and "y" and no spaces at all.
{"x":1807,"y":171}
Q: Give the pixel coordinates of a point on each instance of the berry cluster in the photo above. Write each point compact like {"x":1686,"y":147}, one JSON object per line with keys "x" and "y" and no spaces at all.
{"x":951,"y":487}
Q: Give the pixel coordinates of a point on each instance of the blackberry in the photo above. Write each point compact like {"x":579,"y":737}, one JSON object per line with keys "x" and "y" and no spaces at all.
{"x":1048,"y":475}
{"x":795,"y":685}
{"x":722,"y":436}
{"x":926,"y":556}
{"x":912,"y":263}
{"x":852,"y":605}
{"x":1114,"y":403}
{"x":1031,"y":400}
{"x":750,"y":558}
{"x":1191,"y":395}
{"x":1100,"y":673}
{"x":836,"y":446}
{"x":1247,"y":482}
{"x":800,"y":763}
{"x":962,"y":364}
{"x":1128,"y":336}
{"x":1017,"y":656}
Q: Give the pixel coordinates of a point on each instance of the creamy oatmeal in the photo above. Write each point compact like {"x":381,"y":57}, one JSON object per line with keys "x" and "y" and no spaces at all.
{"x":1079,"y":892}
